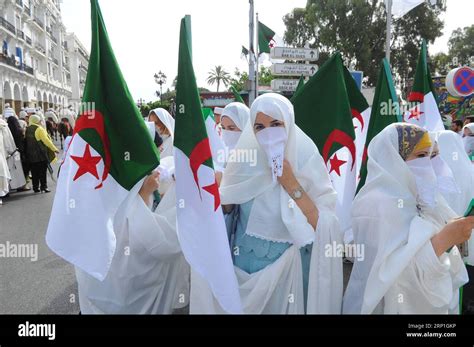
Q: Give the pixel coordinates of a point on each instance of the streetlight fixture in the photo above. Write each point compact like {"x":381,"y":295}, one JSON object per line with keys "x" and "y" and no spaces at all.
{"x":160,"y":79}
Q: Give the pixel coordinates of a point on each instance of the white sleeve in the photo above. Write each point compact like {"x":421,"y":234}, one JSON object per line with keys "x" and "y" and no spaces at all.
{"x":433,"y":275}
{"x":152,"y":231}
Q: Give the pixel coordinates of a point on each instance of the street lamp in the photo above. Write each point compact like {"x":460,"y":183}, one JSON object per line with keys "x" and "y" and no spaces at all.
{"x":160,"y":79}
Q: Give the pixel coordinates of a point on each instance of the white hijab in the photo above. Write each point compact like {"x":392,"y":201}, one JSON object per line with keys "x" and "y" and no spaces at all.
{"x":239,"y":113}
{"x":452,"y":151}
{"x":388,"y":198}
{"x":468,"y":141}
{"x":272,"y":217}
{"x":168,"y":122}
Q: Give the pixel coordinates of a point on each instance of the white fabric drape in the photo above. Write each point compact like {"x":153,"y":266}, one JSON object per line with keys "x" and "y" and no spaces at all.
{"x":400,"y":272}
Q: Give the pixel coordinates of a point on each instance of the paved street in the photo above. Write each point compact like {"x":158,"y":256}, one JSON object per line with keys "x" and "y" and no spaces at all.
{"x":45,"y":286}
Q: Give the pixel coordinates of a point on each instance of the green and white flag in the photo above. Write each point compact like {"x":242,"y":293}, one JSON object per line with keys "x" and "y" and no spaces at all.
{"x":200,"y":221}
{"x":109,"y":155}
{"x":385,"y":111}
{"x":323,"y":112}
{"x":215,"y":139}
{"x":426,"y":112}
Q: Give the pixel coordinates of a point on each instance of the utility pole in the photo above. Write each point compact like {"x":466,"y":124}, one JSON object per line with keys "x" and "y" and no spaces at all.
{"x":252,"y":74}
{"x":388,"y":3}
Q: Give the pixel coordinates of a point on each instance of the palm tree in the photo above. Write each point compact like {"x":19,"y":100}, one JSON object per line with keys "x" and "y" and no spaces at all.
{"x":218,"y":75}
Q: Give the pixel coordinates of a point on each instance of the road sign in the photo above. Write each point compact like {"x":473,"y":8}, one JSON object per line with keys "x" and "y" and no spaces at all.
{"x":358,"y":76}
{"x":294,"y":53}
{"x":294,"y":69}
{"x":285,"y":85}
{"x":460,"y":82}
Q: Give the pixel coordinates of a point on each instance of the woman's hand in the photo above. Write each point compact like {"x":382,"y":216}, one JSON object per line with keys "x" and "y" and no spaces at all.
{"x":453,"y":233}
{"x":150,"y":184}
{"x":288,"y":179}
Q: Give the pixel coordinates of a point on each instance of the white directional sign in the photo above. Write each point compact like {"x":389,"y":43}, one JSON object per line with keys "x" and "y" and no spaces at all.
{"x":294,"y":69}
{"x":294,"y":53}
{"x":285,"y":85}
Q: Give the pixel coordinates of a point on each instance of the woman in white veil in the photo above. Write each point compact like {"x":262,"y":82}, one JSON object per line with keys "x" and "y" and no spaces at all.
{"x":284,"y":206}
{"x":165,"y":127}
{"x":411,"y":263}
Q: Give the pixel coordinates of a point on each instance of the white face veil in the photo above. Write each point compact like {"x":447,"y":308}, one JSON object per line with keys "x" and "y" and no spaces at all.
{"x":274,"y":217}
{"x":384,"y":213}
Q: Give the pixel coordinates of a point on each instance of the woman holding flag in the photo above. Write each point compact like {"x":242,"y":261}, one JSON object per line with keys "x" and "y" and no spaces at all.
{"x":284,"y":220}
{"x":412,"y":264}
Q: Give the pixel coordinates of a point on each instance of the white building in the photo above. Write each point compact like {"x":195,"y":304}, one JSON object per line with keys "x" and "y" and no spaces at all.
{"x":40,"y":64}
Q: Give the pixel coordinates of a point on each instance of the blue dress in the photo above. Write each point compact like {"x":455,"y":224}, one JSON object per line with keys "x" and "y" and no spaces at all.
{"x":252,"y":254}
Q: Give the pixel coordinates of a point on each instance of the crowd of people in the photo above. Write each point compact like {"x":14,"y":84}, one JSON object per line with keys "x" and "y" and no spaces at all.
{"x":27,"y":147}
{"x":408,"y":217}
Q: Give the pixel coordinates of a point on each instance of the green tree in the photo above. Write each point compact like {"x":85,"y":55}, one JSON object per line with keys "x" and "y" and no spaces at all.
{"x":217,"y":76}
{"x":240,"y":79}
{"x":440,"y":64}
{"x":357,"y":28}
{"x":461,"y":45}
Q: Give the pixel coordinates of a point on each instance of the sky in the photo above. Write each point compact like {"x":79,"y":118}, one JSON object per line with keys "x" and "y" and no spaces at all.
{"x":145,"y":33}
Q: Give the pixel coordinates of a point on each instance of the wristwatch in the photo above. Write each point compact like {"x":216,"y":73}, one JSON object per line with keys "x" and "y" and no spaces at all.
{"x":297,"y":193}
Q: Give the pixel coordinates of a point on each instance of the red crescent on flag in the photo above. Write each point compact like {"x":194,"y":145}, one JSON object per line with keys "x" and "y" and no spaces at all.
{"x":416,"y":97}
{"x":95,"y":120}
{"x":339,"y":136}
{"x":200,"y":153}
{"x":356,"y":114}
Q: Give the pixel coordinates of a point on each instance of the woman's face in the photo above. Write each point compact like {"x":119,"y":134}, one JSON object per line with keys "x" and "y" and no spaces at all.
{"x":435,"y":151}
{"x":264,"y":121}
{"x":467,"y":132}
{"x":228,"y":124}
{"x":158,"y":124}
{"x":420,"y":153}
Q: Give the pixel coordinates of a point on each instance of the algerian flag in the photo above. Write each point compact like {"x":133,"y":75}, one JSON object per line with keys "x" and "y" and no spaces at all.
{"x":267,"y":39}
{"x":360,"y":116}
{"x":200,"y":221}
{"x":110,"y":153}
{"x":215,"y":140}
{"x":237,"y":96}
{"x":426,"y":112}
{"x":323,"y":112}
{"x":245,"y":52}
{"x":402,"y":7}
{"x":385,"y":111}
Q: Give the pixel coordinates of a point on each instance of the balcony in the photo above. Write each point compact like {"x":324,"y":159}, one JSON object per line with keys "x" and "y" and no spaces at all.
{"x":20,"y":34}
{"x":40,"y":48}
{"x":10,"y":61}
{"x":39,"y":22}
{"x":56,"y":61}
{"x":27,"y":10}
{"x":7,"y":25}
{"x":28,"y":40}
{"x":55,"y":40}
{"x":19,"y":3}
{"x":81,"y":52}
{"x":65,"y":45}
{"x":49,"y":31}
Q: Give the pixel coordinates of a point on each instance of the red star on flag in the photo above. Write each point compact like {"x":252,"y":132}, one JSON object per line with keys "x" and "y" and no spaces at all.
{"x":416,"y":113}
{"x":87,"y":164}
{"x":336,"y":164}
{"x":213,"y":189}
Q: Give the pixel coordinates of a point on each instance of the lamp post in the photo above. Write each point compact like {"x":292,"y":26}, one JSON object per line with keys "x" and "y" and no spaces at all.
{"x":160,"y":79}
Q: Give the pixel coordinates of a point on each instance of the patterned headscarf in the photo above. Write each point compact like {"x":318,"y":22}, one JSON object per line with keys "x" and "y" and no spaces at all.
{"x":411,"y":137}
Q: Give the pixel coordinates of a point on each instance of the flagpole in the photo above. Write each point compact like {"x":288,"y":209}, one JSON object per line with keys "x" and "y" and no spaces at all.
{"x":257,"y":58}
{"x":389,"y":29}
{"x":251,"y":86}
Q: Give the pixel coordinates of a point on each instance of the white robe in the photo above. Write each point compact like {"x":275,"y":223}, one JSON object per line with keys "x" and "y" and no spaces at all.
{"x":7,"y":147}
{"x":400,"y":272}
{"x":149,"y":274}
